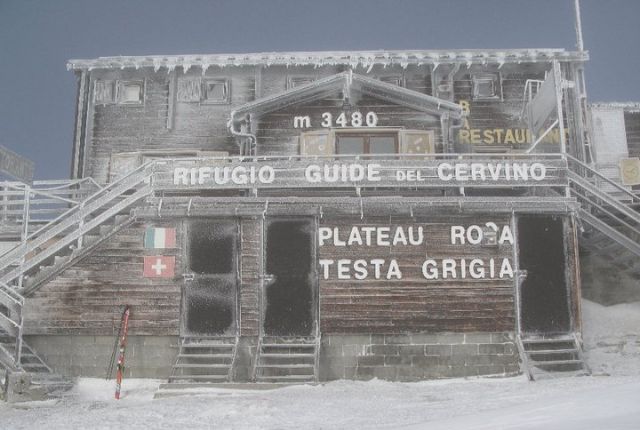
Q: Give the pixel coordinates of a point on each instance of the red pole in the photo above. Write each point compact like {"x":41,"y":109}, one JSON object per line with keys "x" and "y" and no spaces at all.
{"x":123,"y":344}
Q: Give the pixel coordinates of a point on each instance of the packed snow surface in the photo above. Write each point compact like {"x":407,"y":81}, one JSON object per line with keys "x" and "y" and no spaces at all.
{"x":585,"y":403}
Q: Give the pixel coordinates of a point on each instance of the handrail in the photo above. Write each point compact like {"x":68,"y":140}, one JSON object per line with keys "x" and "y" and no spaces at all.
{"x":35,"y":239}
{"x":594,"y":172}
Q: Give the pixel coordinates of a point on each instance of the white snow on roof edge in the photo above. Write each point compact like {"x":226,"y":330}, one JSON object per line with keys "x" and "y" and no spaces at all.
{"x":632,"y":107}
{"x":322,"y":58}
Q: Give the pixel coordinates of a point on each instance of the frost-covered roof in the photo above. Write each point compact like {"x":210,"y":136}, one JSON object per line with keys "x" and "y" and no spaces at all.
{"x":351,"y":58}
{"x":349,"y":82}
{"x":626,"y":106}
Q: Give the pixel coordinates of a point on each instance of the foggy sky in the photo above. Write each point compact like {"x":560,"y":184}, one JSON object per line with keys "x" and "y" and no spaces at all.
{"x":37,"y":94}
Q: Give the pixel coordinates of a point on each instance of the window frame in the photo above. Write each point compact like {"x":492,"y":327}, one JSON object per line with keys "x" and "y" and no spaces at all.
{"x":104,"y":82}
{"x":496,"y":80}
{"x":203,"y":91}
{"x":366,"y":135}
{"x":121,"y":83}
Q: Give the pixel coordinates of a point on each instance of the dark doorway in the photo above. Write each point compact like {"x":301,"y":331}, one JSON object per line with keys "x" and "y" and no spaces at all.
{"x":544,"y":304}
{"x":211,"y":286}
{"x":289,"y":284}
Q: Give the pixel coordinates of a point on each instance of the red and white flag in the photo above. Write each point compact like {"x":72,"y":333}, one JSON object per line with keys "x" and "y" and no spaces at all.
{"x":159,"y":266}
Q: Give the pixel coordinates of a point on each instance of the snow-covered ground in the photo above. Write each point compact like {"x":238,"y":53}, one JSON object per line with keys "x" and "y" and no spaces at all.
{"x":600,"y":402}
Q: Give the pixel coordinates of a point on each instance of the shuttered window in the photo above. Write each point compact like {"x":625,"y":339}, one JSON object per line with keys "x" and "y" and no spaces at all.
{"x":317,"y":143}
{"x":417,"y":142}
{"x":104,"y":92}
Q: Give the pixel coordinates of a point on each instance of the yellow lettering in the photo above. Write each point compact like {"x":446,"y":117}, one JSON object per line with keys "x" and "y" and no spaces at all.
{"x":508,"y":136}
{"x":463,"y":136}
{"x":488,"y":137}
{"x":475,"y":136}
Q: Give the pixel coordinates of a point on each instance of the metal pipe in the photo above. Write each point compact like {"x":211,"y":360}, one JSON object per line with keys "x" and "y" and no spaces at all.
{"x":579,"y":40}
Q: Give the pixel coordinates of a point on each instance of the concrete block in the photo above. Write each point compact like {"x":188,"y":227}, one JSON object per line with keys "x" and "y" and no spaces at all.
{"x":439,"y":350}
{"x":450,"y":338}
{"x":351,"y":340}
{"x":510,"y":349}
{"x":387,"y":373}
{"x":371,"y":360}
{"x":491,"y":348}
{"x":428,"y":361}
{"x":491,"y":370}
{"x":353,"y":350}
{"x":382,"y":349}
{"x":411,"y":350}
{"x":409,"y":374}
{"x":439,"y":371}
{"x":396,"y":339}
{"x":502,"y":337}
{"x":397,"y":360}
{"x":464,"y":350}
{"x":477,"y":338}
{"x":424,"y":338}
{"x":365,"y":373}
{"x":457,"y":371}
{"x":350,"y":372}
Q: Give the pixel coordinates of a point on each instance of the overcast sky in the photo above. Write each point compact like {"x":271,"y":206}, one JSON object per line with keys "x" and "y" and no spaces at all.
{"x":37,"y":94}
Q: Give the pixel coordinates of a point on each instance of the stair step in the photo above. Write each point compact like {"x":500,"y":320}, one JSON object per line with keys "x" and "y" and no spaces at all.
{"x":551,"y":351}
{"x":287,"y":378}
{"x":185,"y":365}
{"x":288,"y":345}
{"x":282,"y":355}
{"x":548,"y":340}
{"x":286,"y":366}
{"x":555,"y":362}
{"x":198,"y":377}
{"x":189,"y":355}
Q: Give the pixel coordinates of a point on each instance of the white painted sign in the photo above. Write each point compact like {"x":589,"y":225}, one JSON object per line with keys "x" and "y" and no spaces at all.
{"x":360,"y":269}
{"x":361,"y":173}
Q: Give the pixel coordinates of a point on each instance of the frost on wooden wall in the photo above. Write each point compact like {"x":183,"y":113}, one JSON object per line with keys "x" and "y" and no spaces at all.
{"x":189,"y":90}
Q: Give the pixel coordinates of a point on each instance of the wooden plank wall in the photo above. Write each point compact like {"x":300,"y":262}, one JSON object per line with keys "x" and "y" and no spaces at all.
{"x":415,"y":304}
{"x":143,"y":127}
{"x":198,"y":126}
{"x":88,"y":299}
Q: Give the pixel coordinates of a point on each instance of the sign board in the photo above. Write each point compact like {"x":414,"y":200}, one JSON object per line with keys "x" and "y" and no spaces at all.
{"x":16,"y":166}
{"x":415,"y":172}
{"x":543,"y":104}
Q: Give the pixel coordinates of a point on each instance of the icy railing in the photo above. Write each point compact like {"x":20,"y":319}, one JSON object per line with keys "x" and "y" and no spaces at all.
{"x":22,"y":204}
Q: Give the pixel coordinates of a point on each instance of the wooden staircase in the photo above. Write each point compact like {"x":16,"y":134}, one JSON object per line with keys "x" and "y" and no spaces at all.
{"x":549,"y":356}
{"x":287,"y":360}
{"x":205,"y":360}
{"x":55,"y":246}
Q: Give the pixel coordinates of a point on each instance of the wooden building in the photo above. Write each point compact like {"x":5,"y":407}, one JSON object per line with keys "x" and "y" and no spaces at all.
{"x":309,"y":216}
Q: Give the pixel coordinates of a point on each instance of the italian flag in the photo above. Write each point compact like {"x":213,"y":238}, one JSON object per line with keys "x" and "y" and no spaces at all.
{"x":156,"y":237}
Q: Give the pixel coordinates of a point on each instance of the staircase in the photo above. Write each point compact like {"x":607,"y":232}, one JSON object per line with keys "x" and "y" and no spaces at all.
{"x":551,"y":356}
{"x":204,"y":360}
{"x":54,"y":247}
{"x":287,"y":360}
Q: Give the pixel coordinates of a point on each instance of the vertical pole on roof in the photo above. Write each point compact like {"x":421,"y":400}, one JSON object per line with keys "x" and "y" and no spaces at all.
{"x":557,"y":74}
{"x":579,"y":40}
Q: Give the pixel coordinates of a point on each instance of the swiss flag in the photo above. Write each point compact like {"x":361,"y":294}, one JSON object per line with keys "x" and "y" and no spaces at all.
{"x":159,"y":266}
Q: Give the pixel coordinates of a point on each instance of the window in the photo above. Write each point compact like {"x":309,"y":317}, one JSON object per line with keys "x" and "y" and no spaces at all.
{"x":372,"y":143}
{"x":209,"y":91}
{"x":317,"y":143}
{"x":130,"y":92}
{"x":104,"y":92}
{"x":298,"y":81}
{"x":215,"y":91}
{"x":486,"y":86}
{"x":120,"y":92}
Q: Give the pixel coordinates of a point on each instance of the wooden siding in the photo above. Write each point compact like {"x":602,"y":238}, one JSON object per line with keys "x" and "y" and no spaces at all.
{"x":88,"y":298}
{"x":415,"y":304}
{"x":161,"y":123}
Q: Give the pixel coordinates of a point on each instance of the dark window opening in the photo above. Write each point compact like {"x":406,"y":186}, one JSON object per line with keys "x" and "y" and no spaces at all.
{"x":543,"y":294}
{"x":211,"y":247}
{"x":210,"y":307}
{"x":289,"y":298}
